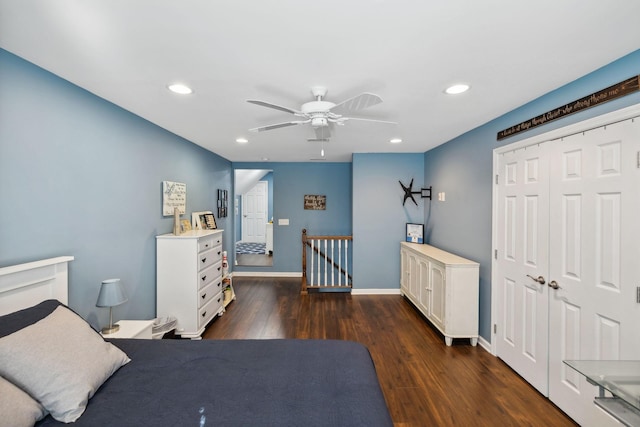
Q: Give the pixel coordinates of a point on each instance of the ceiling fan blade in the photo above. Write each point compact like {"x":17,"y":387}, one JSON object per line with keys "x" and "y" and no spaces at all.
{"x":344,"y":119}
{"x":358,"y":102}
{"x":274,"y":106}
{"x":279,"y":125}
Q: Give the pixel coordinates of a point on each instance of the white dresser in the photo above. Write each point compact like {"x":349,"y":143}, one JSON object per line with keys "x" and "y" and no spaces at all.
{"x":444,"y":287}
{"x":189,"y":279}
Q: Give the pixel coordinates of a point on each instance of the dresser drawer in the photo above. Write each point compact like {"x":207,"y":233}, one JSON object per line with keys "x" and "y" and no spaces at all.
{"x":206,"y":243}
{"x":205,"y":294}
{"x":210,"y":309}
{"x":207,"y":276}
{"x":206,"y":259}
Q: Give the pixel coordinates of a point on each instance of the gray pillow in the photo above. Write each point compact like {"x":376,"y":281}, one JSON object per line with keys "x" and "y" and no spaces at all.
{"x":17,"y":408}
{"x":60,"y":361}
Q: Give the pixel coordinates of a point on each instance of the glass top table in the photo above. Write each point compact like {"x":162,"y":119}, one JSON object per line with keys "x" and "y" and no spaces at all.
{"x":621,"y":378}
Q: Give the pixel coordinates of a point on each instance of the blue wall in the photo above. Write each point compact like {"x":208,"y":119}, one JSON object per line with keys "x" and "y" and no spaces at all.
{"x":83,"y":177}
{"x":291,"y":181}
{"x":379,"y":218}
{"x":463,"y":169}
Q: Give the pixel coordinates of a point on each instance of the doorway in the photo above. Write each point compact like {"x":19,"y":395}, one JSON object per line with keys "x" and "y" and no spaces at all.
{"x":564,"y":269}
{"x":253,"y":210}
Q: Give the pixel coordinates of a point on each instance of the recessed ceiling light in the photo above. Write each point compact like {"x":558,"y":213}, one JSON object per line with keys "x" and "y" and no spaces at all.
{"x":180,"y":88}
{"x":264,"y":159}
{"x":457,"y":88}
{"x":395,"y":140}
{"x":242,"y":140}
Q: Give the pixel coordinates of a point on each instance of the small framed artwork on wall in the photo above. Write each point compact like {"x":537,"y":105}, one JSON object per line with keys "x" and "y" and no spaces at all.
{"x":415,"y":233}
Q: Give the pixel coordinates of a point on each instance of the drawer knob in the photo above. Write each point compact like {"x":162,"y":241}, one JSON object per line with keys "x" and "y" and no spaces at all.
{"x":219,"y":268}
{"x":219,"y":283}
{"x":204,"y":314}
{"x":204,"y":296}
{"x":204,"y":277}
{"x":204,"y":259}
{"x":219,"y":252}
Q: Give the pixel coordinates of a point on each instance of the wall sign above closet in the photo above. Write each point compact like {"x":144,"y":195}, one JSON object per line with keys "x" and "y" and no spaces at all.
{"x":618,"y":90}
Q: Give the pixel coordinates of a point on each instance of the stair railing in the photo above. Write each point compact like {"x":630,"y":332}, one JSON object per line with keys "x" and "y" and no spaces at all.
{"x":328,"y":260}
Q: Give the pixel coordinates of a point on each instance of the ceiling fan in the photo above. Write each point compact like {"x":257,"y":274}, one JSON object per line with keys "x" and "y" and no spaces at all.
{"x":321,"y":114}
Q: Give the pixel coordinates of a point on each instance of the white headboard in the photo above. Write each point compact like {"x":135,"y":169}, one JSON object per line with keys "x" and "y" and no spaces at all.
{"x":24,"y":285}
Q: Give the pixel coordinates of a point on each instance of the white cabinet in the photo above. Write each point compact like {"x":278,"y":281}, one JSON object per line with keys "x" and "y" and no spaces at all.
{"x":189,"y":279}
{"x":444,"y":287}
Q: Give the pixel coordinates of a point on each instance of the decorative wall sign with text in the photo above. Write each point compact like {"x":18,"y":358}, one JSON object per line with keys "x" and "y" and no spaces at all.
{"x":605,"y":95}
{"x":315,"y":202}
{"x":174,"y":195}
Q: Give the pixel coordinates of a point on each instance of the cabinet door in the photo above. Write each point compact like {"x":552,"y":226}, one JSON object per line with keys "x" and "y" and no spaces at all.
{"x":414,"y":277}
{"x":425,"y":287}
{"x":438,"y":293}
{"x":404,"y":273}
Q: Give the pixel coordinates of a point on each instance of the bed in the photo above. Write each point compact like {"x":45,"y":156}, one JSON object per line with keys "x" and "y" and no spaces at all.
{"x":174,"y":382}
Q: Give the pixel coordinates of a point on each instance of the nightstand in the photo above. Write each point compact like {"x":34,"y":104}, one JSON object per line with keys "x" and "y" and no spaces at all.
{"x":140,"y":329}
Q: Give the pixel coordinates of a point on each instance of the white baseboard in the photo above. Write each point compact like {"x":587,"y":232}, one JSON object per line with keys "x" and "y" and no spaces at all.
{"x":484,"y":344}
{"x":265,"y":274}
{"x":374,"y":291}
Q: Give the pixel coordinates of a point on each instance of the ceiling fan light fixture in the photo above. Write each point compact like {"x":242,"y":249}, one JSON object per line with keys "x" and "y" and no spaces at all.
{"x":395,"y":140}
{"x":180,"y":88}
{"x":457,"y":89}
{"x":319,"y":122}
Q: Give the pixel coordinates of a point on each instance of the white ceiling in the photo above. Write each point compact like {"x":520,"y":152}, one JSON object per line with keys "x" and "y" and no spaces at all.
{"x":406,"y":51}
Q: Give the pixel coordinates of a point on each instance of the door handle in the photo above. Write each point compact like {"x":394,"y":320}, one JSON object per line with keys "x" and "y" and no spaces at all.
{"x":554,"y":284}
{"x":538,"y":279}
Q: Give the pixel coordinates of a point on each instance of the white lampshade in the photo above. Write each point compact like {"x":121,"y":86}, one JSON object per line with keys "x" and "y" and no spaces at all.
{"x":111,"y":294}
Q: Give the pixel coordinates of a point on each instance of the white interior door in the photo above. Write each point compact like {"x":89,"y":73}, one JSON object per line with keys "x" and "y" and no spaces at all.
{"x":579,"y":230}
{"x":594,"y":259}
{"x":254,"y":213}
{"x":522,"y":245}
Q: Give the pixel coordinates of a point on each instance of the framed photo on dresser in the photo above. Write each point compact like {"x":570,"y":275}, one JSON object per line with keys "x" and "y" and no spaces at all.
{"x":203,"y":221}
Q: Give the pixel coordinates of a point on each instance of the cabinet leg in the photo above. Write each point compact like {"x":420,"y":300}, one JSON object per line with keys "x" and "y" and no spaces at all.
{"x":474,"y":341}
{"x":448,"y":341}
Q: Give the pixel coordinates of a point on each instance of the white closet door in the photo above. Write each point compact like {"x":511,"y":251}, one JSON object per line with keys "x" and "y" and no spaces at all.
{"x":594,"y":258}
{"x":522,"y":245}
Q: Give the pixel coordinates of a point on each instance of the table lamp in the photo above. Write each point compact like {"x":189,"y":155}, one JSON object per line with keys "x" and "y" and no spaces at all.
{"x":111,"y":295}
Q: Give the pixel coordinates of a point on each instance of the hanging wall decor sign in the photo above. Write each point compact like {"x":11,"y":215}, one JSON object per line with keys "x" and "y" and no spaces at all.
{"x":223,"y":202}
{"x":174,"y":195}
{"x":605,"y":95}
{"x":315,"y":202}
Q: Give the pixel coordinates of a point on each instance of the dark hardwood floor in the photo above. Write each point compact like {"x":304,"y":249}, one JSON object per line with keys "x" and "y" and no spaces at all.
{"x":425,"y":383}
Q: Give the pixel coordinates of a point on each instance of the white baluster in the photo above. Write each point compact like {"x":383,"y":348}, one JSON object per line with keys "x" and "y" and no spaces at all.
{"x":346,"y":262}
{"x":311,"y":256}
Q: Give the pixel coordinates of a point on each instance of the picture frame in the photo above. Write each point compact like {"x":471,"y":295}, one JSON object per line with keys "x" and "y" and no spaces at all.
{"x":223,"y":200}
{"x":315,"y":202}
{"x":210,"y":221}
{"x":203,"y":221}
{"x":415,"y":233}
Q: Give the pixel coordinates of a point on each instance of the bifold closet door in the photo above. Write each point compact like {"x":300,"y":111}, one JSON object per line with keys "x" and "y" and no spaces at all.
{"x":522,"y":245}
{"x":594,"y":259}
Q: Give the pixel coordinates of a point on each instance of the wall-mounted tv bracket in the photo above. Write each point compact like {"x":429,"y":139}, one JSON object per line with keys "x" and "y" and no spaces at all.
{"x":425,"y":193}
